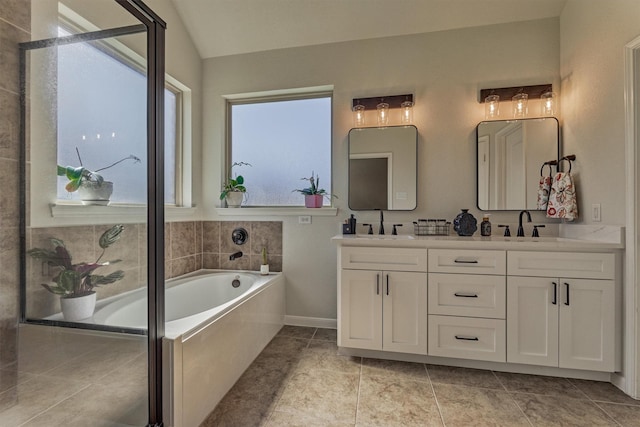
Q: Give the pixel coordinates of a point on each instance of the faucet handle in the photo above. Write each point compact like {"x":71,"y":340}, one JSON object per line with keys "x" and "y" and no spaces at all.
{"x":394,"y":231}
{"x":370,"y":228}
{"x":535,"y":230}
{"x":507,"y":232}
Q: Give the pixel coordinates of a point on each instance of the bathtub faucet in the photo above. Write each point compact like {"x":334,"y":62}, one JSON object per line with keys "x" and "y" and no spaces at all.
{"x":234,"y":256}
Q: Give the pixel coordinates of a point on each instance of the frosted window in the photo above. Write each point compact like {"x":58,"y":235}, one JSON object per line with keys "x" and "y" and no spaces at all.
{"x":283,"y":141}
{"x":102,"y":113}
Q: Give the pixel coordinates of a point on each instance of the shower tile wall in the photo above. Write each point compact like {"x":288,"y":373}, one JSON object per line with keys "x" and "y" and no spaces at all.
{"x":15,"y":27}
{"x":189,"y":246}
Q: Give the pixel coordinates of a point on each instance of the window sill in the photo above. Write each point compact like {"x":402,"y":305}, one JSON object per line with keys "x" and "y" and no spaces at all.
{"x":277,"y":211}
{"x":73,"y":210}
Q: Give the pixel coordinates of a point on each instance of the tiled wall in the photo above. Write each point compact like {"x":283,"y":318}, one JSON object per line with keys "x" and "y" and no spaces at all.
{"x":189,"y":246}
{"x":15,"y":27}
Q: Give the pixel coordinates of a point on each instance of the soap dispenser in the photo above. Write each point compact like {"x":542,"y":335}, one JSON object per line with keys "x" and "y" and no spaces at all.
{"x":485,"y":226}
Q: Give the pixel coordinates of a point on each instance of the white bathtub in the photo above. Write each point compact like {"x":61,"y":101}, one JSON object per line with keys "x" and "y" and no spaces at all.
{"x":190,"y":301}
{"x":212,"y":334}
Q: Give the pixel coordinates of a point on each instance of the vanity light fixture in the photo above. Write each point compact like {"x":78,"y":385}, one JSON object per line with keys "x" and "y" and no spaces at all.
{"x":358,"y":115}
{"x":383,"y":113}
{"x":519,"y":105}
{"x":548,"y":103}
{"x":492,"y":107}
{"x":383,"y":106}
{"x":406,"y":112}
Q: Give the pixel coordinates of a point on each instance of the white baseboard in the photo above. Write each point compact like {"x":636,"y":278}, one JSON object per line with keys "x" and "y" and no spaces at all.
{"x":314,"y":322}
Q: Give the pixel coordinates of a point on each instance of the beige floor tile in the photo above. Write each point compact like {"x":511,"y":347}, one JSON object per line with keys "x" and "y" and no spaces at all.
{"x":302,"y":332}
{"x":561,"y":411}
{"x":472,"y":406}
{"x":463,"y":376}
{"x":538,"y":384}
{"x":324,"y":355}
{"x":393,"y":400}
{"x":603,"y":392}
{"x":327,"y":395}
{"x":10,"y":378}
{"x":284,"y":419}
{"x":26,"y":400}
{"x":326,"y":335}
{"x":625,"y":415}
{"x":416,"y":371}
{"x":130,"y":374}
{"x":239,"y":410}
{"x":104,"y":406}
{"x":281,"y":345}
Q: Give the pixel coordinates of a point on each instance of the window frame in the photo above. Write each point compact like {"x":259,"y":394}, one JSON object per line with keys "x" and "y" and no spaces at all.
{"x":276,"y":96}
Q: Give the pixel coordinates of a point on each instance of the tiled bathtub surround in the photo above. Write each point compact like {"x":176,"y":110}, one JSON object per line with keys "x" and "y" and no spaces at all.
{"x":189,"y":246}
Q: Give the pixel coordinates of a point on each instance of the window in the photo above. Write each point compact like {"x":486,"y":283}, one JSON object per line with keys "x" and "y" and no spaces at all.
{"x":284,"y":140}
{"x":101,"y":115}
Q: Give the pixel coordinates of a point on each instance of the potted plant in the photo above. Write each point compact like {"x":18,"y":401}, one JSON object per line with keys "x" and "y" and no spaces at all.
{"x":75,"y":282}
{"x":233,"y":189}
{"x":264,"y":267}
{"x":90,"y":185}
{"x":313,"y":195}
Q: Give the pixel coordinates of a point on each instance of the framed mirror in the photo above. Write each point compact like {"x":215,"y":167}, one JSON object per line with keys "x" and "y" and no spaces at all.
{"x":383,"y":168}
{"x":510,"y":154}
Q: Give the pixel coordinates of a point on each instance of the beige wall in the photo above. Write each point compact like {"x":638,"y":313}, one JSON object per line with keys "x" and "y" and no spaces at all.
{"x":445,"y":71}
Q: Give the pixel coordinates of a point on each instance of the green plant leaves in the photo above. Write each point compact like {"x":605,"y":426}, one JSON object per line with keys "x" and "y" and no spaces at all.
{"x":110,"y":236}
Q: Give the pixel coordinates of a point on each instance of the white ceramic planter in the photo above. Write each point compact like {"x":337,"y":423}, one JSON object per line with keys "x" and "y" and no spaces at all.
{"x":78,"y":308}
{"x":92,"y":193}
{"x":234,"y":199}
{"x":264,"y":269}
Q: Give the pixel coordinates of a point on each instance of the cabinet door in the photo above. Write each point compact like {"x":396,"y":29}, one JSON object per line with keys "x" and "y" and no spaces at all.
{"x":404,"y":312}
{"x":360,"y":309}
{"x":587,"y":324}
{"x":532,"y":320}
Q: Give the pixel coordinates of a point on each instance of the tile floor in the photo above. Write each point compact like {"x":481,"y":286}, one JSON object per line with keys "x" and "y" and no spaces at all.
{"x":70,"y":379}
{"x":299,"y":380}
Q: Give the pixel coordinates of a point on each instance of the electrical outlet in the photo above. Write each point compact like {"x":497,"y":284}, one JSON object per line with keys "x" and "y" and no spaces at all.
{"x":304,"y":219}
{"x":595,"y":212}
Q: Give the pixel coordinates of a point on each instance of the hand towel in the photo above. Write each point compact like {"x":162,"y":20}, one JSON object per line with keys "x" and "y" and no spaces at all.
{"x":544,"y":188}
{"x":562,"y":200}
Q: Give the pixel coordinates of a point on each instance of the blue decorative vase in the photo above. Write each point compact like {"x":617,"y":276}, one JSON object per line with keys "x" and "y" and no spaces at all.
{"x":465,"y":224}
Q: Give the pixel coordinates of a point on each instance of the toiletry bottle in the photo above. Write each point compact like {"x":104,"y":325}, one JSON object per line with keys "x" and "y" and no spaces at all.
{"x":485,"y":226}
{"x":352,"y":224}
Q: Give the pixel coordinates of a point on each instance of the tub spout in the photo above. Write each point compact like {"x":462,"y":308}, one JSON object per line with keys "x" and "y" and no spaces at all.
{"x":235,"y":255}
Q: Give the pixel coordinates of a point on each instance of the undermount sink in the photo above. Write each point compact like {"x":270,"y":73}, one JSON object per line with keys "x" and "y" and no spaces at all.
{"x":385,"y":236}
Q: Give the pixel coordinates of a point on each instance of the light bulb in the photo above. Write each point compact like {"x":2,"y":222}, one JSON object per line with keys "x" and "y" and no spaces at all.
{"x":407,"y":112}
{"x":358,"y":116}
{"x":383,"y":113}
{"x":491,"y":107}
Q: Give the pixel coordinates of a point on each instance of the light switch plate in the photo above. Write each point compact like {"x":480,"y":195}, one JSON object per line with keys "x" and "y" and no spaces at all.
{"x":595,"y":212}
{"x":304,"y":219}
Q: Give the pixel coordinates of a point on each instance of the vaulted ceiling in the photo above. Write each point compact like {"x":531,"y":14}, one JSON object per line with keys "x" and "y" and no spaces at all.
{"x":229,"y":27}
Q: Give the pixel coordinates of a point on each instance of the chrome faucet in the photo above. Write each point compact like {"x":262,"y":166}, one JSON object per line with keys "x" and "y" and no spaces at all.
{"x":381,"y":229}
{"x":520,"y":228}
{"x":235,"y":255}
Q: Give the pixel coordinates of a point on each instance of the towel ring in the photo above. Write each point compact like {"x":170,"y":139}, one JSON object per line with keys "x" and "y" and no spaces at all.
{"x":568,"y":159}
{"x":549,"y":163}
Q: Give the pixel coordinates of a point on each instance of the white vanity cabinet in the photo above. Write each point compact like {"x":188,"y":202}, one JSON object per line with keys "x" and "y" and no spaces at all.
{"x":467,"y":304}
{"x":382,"y":299}
{"x":561,"y":309}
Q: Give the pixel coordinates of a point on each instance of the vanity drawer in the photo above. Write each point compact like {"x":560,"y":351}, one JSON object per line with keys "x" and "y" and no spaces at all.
{"x":467,"y":295}
{"x":561,"y":264}
{"x":467,"y":338}
{"x":392,"y":259}
{"x":467,"y":261}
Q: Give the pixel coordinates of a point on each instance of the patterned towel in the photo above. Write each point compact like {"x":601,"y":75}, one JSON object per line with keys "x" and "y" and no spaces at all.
{"x":544,"y":189}
{"x":562,"y":200}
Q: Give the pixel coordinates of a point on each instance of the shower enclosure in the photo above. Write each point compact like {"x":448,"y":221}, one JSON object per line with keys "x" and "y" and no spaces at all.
{"x":92,"y":92}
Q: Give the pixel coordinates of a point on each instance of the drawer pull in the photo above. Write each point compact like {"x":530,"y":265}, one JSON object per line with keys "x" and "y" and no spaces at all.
{"x":567,"y":285}
{"x":387,"y":284}
{"x":377,"y":284}
{"x":461,"y":295}
{"x":554,"y":299}
{"x":465,"y":261}
{"x":460,"y":337}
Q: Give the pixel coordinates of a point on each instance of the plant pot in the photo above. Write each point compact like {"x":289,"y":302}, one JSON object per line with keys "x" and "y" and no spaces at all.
{"x":234,"y":199}
{"x":313,"y":200}
{"x":264,"y":269}
{"x":78,"y":308}
{"x":92,"y":193}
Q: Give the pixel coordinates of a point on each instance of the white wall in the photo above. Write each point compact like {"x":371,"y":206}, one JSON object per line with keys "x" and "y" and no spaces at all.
{"x":445,"y":70}
{"x":592,"y":39}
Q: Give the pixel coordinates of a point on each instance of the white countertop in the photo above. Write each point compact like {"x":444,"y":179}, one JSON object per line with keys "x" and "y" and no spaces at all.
{"x":477,"y":242}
